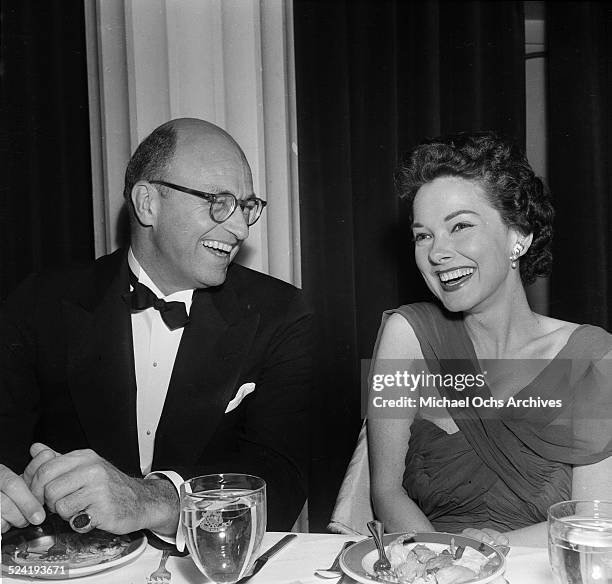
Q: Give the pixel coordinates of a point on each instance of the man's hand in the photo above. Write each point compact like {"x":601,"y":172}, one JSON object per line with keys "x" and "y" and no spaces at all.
{"x":83,"y":481}
{"x":19,"y":506}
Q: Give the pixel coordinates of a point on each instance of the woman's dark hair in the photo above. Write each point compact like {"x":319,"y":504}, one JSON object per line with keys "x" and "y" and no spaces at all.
{"x":508,"y":181}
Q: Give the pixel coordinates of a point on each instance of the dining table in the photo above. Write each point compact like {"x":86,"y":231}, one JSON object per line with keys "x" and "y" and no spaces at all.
{"x":294,"y":564}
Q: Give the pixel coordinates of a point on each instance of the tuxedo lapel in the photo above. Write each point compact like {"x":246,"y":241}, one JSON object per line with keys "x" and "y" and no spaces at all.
{"x":213,"y":350}
{"x":101,"y":365}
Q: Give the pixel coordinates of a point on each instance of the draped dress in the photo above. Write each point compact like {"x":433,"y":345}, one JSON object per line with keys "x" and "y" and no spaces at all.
{"x":506,"y":465}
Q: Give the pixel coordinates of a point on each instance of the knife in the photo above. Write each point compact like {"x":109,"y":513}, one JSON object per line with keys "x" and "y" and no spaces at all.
{"x":260,"y":562}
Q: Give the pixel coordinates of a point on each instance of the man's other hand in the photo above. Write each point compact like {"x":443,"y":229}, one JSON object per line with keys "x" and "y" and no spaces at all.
{"x":19,"y":506}
{"x":83,"y":481}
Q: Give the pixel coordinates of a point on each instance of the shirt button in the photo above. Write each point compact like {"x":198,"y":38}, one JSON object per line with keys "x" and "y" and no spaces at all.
{"x":154,"y":363}
{"x":148,"y":432}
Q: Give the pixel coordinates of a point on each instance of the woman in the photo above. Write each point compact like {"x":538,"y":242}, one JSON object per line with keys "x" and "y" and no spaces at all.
{"x":482,"y":231}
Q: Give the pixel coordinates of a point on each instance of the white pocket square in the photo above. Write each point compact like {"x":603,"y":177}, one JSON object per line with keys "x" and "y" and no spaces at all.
{"x":242,"y":392}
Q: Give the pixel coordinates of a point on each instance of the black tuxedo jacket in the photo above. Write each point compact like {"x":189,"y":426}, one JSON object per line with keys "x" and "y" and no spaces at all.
{"x":67,"y":378}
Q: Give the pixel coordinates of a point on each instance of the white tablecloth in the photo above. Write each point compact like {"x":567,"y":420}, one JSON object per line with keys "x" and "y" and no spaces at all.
{"x":294,"y":564}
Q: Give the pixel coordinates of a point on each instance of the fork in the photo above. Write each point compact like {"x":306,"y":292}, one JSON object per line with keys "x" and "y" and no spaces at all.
{"x":161,"y":575}
{"x":58,"y":550}
{"x":334,"y":570}
{"x":382,"y":566}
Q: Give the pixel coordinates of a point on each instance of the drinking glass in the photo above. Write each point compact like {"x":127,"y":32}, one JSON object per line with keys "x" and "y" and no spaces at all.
{"x":223,"y":517}
{"x":580,"y":542}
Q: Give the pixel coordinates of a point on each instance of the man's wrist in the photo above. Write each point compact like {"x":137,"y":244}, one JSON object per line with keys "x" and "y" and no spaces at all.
{"x":162,"y":505}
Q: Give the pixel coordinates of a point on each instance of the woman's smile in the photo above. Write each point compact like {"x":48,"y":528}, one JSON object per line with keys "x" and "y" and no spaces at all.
{"x":454,"y":278}
{"x":458,"y":235}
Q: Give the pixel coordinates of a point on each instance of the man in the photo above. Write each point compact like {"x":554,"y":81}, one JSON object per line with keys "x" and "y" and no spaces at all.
{"x":99,"y":389}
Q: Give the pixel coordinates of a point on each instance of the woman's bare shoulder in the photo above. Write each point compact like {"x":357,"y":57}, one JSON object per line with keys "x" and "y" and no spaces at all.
{"x":398,"y":339}
{"x":557,"y":326}
{"x":555,"y":333}
{"x":559,"y":332}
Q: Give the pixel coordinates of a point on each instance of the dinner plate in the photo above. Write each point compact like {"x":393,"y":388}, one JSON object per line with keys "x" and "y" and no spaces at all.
{"x":22,"y":550}
{"x":357,"y":561}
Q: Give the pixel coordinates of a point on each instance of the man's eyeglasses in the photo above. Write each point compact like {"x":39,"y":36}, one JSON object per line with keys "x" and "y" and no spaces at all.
{"x":222,"y":205}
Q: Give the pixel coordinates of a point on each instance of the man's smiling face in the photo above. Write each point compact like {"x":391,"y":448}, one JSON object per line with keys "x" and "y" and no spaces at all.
{"x":188,"y":249}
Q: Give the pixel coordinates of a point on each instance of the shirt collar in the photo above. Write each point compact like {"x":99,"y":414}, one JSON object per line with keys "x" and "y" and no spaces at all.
{"x":180,"y":296}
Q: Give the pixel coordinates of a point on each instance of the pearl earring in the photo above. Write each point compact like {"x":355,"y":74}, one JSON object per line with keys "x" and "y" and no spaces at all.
{"x":516,"y":252}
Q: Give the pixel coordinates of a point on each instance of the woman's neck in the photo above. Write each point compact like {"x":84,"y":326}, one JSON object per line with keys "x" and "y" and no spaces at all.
{"x":503,"y":329}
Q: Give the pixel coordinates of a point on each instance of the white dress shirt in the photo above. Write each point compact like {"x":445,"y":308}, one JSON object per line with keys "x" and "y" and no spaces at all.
{"x":155,"y":348}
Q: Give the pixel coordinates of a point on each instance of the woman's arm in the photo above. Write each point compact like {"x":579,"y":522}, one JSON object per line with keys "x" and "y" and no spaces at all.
{"x":388,"y":438}
{"x":593,"y":481}
{"x":589,"y":482}
{"x":388,"y":441}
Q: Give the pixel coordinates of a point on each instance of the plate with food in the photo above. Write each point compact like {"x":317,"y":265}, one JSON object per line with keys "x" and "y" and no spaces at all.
{"x":53,"y":551}
{"x":426,"y":558}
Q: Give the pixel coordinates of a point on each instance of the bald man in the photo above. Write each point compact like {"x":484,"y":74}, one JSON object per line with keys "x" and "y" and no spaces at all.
{"x":159,"y":362}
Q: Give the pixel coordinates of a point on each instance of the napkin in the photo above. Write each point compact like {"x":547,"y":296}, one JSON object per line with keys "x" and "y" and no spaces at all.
{"x":242,"y":392}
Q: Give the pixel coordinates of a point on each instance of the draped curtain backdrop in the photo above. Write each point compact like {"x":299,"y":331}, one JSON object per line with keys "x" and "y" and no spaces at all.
{"x":580,"y":150}
{"x":45,"y":207}
{"x":373,"y":79}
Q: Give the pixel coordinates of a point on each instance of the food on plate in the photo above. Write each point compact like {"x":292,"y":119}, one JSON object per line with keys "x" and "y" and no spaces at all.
{"x":419,"y":564}
{"x":76,"y":550}
{"x":454,"y":575}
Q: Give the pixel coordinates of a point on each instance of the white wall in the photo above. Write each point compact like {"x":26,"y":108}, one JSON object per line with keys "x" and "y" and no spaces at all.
{"x":226,"y":61}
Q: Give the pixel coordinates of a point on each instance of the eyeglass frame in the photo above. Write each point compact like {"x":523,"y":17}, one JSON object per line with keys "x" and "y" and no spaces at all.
{"x":212,"y":198}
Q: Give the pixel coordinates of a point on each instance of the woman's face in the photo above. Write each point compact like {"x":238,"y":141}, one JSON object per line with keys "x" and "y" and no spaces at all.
{"x":462,"y":247}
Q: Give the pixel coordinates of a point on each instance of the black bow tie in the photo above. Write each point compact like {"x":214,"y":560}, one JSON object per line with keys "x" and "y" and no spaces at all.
{"x":174,"y":314}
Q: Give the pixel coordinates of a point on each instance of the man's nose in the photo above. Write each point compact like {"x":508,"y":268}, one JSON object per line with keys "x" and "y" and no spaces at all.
{"x":237,"y":225}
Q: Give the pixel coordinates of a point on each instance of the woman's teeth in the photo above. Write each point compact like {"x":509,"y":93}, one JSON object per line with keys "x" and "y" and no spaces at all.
{"x":455,"y":277}
{"x":458,"y":273}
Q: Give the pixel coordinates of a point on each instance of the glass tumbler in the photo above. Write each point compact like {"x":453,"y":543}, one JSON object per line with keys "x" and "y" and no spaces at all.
{"x":223,"y":517}
{"x":580,"y":542}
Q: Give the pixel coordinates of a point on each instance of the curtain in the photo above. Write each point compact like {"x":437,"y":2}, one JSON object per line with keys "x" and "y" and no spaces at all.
{"x":45,"y":207}
{"x":579,"y":36}
{"x":373,"y":79}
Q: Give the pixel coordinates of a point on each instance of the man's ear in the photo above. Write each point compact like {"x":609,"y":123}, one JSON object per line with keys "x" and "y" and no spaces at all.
{"x":145,"y":202}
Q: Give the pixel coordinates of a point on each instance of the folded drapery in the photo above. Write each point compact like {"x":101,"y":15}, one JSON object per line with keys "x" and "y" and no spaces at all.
{"x":353,"y":508}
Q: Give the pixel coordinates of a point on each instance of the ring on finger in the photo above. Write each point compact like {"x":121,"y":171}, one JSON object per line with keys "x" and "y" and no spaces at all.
{"x":81,"y":522}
